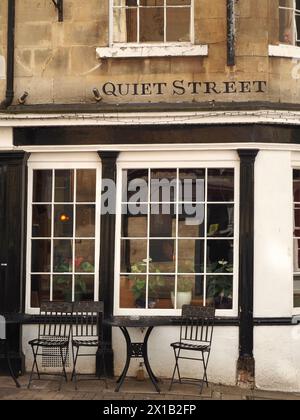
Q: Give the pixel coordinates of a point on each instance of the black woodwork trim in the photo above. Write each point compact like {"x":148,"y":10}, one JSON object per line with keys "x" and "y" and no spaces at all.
{"x":156,"y":134}
{"x":107,"y":259}
{"x":246,"y":252}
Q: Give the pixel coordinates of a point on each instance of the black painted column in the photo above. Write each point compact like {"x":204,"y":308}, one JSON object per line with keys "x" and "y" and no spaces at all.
{"x":107,"y":258}
{"x":13,"y":176}
{"x":246,"y":363}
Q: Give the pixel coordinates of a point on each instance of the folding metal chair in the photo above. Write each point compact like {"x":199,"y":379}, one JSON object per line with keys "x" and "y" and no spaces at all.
{"x":87,"y":334}
{"x":196,"y":332}
{"x":54,"y":335}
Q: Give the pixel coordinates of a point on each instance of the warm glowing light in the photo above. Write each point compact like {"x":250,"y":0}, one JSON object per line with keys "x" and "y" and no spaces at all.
{"x":64,"y":218}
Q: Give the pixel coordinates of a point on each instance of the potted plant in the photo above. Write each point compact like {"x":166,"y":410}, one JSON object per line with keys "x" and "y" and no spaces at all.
{"x":219,"y":288}
{"x":140,"y":283}
{"x":184,"y":292}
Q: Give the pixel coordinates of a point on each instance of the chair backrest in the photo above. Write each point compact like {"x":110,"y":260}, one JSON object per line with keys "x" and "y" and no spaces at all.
{"x":197,"y":324}
{"x":87,"y":319}
{"x":55,"y":319}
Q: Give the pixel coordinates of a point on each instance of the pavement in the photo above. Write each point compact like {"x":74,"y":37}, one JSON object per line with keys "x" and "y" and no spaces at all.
{"x":132,"y":390}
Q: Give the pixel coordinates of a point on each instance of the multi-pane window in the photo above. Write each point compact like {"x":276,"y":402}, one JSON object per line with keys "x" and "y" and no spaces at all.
{"x":296,"y":238}
{"x":289,"y":22}
{"x":62,"y":260}
{"x":152,"y":21}
{"x":177,"y":238}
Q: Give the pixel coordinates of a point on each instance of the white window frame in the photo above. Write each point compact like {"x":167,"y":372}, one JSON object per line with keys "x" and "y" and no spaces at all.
{"x":296,"y":309}
{"x":285,"y":50}
{"x":159,"y":49}
{"x":54,"y":161}
{"x":168,"y":164}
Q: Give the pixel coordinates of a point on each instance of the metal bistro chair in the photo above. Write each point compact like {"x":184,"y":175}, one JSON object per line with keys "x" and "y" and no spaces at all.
{"x":53,"y":335}
{"x":87,"y":333}
{"x":196,"y":332}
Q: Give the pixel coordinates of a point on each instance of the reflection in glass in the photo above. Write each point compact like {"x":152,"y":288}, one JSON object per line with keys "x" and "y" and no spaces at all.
{"x":162,"y":256}
{"x":151,"y":25}
{"x":40,"y":256}
{"x":191,"y":220}
{"x":84,"y":256}
{"x":62,"y":258}
{"x":86,"y":186}
{"x":162,"y":221}
{"x":40,"y":290}
{"x":134,"y":221}
{"x":219,"y":291}
{"x":219,"y":256}
{"x":64,"y":186}
{"x":84,"y":288}
{"x":135,"y":186}
{"x":63,"y":221}
{"x":190,"y":256}
{"x":85,"y":221}
{"x":62,"y":288}
{"x":220,"y":220}
{"x":160,"y":289}
{"x":221,"y":185}
{"x":133,"y":256}
{"x":133,"y":291}
{"x":163,"y":185}
{"x":192,"y":185}
{"x":42,"y":186}
{"x":41,"y":221}
{"x":178,"y":25}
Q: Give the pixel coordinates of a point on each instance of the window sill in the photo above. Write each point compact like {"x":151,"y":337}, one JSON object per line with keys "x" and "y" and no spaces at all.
{"x":135,"y":51}
{"x":284,"y":51}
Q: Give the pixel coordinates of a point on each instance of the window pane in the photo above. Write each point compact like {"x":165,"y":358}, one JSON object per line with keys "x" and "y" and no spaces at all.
{"x":221,"y":185}
{"x":297,"y":186}
{"x":135,"y":186}
{"x":189,"y":290}
{"x":40,"y":290}
{"x":134,"y":256}
{"x":84,"y":288}
{"x":86,"y":186}
{"x":63,"y":256}
{"x":159,"y":293}
{"x":297,"y":291}
{"x":62,"y":288}
{"x":162,"y":221}
{"x":163,"y":185}
{"x":64,"y":186}
{"x":133,"y":291}
{"x":84,"y":256}
{"x":190,"y":256}
{"x":286,"y":22}
{"x":192,"y":185}
{"x":191,"y":220}
{"x":134,"y":221}
{"x":42,"y":186}
{"x":152,"y":24}
{"x":297,"y":221}
{"x":178,"y":25}
{"x":63,"y":221}
{"x":85,"y":221}
{"x":220,"y":220}
{"x":40,"y":256}
{"x":162,"y":256}
{"x":219,"y":291}
{"x":219,"y":256}
{"x":41,"y":221}
{"x":296,"y":255}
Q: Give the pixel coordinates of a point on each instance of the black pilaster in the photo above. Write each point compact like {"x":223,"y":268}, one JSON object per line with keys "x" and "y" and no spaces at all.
{"x":107,"y":258}
{"x":13,"y":171}
{"x":246,"y":363}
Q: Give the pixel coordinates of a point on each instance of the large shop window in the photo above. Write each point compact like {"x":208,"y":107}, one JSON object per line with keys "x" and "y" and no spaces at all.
{"x":297,"y":238}
{"x":177,"y":239}
{"x":289,"y":22}
{"x":62,"y":248}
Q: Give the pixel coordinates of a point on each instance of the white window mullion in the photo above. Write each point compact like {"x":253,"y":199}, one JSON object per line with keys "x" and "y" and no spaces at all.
{"x":52,"y":236}
{"x":74,"y":235}
{"x":177,"y":241}
{"x":148,"y":237}
{"x":205,"y":239}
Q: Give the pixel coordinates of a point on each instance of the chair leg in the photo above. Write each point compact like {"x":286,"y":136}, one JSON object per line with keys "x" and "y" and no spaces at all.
{"x":74,"y":374}
{"x":176,"y":368}
{"x":34,"y":365}
{"x":205,"y":364}
{"x":64,"y":361}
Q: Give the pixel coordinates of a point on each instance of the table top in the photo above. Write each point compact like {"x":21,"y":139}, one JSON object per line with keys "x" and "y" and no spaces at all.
{"x":141,"y":321}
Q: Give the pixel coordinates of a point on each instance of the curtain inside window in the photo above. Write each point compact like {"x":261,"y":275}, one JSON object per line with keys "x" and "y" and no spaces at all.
{"x":120,"y":30}
{"x":287,"y":27}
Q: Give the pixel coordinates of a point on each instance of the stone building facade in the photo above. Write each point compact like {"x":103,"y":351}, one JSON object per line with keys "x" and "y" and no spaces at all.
{"x":134,"y":91}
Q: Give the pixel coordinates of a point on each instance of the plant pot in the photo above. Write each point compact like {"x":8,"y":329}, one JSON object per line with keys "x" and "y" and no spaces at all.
{"x":183,"y":298}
